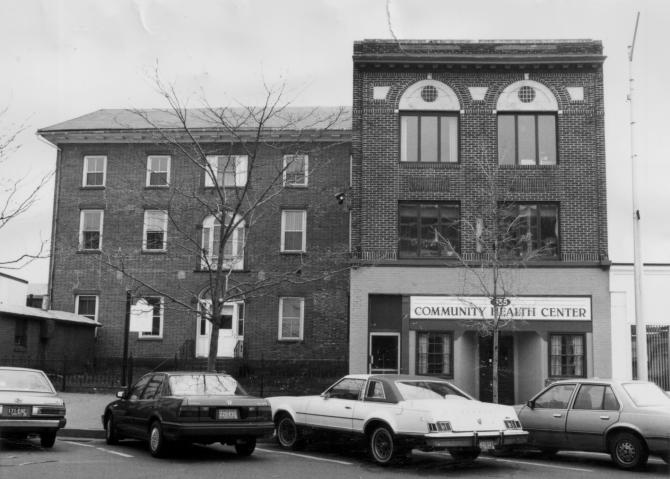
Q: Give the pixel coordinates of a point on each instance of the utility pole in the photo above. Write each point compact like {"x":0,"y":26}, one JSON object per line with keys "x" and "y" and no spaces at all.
{"x":640,"y":324}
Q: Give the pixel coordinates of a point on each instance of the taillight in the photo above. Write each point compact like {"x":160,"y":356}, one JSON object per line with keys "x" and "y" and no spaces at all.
{"x":189,"y":411}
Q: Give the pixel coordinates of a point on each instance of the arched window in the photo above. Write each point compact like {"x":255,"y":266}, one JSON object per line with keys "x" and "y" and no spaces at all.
{"x":233,"y":249}
{"x":429,"y":123}
{"x":527,"y":124}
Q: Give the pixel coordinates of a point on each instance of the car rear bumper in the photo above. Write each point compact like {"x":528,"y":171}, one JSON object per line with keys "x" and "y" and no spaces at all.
{"x":30,"y":425}
{"x":484,"y":440}
{"x":217,"y":431}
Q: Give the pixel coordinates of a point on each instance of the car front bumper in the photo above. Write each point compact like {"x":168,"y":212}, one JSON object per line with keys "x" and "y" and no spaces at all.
{"x":484,"y":440}
{"x":217,"y":431}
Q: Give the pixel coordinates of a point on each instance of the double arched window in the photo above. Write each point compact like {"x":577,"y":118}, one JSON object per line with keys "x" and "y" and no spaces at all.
{"x":233,"y":249}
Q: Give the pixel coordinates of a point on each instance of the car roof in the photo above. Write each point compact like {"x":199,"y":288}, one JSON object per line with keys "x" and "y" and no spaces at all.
{"x":394,"y":377}
{"x":12,"y":368}
{"x":184,"y":373}
{"x":600,"y":381}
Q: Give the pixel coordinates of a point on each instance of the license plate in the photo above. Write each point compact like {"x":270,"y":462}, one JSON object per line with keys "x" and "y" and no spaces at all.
{"x":17,"y":411}
{"x":227,"y":414}
{"x":486,"y":445}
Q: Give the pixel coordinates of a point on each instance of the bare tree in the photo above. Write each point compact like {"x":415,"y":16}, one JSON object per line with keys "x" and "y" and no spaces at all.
{"x":17,"y":196}
{"x":225,"y":146}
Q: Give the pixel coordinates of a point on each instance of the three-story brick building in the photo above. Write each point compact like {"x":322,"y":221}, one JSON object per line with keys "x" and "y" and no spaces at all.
{"x":443,"y":130}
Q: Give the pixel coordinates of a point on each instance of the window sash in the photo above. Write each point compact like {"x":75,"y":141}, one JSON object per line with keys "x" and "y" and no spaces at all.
{"x":291,"y":318}
{"x":429,"y":138}
{"x":233,"y":250}
{"x":527,"y":139}
{"x":295,"y":170}
{"x":155,"y":230}
{"x":533,"y":227}
{"x":158,"y":170}
{"x":435,"y":352}
{"x":87,"y":305}
{"x":90,"y":229}
{"x":425,"y":228}
{"x":94,"y":170}
{"x":158,"y":305}
{"x":230,"y":170}
{"x":567,"y":355}
{"x":293,"y":230}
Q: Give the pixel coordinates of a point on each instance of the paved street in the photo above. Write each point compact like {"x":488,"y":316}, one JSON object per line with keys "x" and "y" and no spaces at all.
{"x":92,"y":458}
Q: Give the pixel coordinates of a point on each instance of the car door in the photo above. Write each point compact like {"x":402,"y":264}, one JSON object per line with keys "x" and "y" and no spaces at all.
{"x":545,"y":416}
{"x":334,"y":409}
{"x":594,"y":410}
{"x":122,"y":413}
{"x":375,"y":402}
{"x":148,"y":403}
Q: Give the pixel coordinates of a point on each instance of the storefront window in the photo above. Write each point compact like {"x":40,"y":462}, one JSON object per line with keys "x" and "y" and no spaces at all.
{"x":435,"y":354}
{"x":567,"y":356}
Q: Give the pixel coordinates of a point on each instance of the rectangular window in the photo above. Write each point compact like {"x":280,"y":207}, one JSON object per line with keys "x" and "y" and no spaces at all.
{"x":527,"y":139}
{"x":157,"y":303}
{"x":530,"y":230}
{"x":21,"y":332}
{"x":428,"y":230}
{"x":155,"y":230}
{"x":229,"y":170}
{"x":94,"y":170}
{"x":566,"y":355}
{"x":87,"y":305}
{"x":291,"y":318}
{"x":90,"y":229}
{"x":158,"y":170}
{"x":295,"y":170}
{"x":293,"y":230}
{"x":233,"y":249}
{"x":435,"y":354}
{"x":427,"y":137}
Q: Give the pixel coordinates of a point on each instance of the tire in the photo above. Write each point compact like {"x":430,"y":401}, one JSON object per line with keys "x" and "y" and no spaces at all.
{"x":288,"y":436}
{"x":111,"y":434}
{"x":47,"y":439}
{"x":158,"y":445}
{"x":465,"y":454}
{"x":244,"y":447}
{"x":628,"y":451}
{"x":383,"y":446}
{"x":666,"y":458}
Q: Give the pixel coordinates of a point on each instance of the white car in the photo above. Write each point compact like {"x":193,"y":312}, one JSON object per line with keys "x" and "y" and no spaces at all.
{"x":397,"y":413}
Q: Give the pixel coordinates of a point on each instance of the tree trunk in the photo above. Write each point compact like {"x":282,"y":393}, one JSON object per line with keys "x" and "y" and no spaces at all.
{"x":213,"y":343}
{"x":494,"y":366}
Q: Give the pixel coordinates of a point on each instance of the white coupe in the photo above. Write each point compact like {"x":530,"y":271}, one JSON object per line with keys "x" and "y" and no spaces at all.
{"x":397,"y":413}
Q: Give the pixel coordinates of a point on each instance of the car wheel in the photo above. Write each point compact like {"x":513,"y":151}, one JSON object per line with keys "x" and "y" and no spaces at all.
{"x":47,"y":439}
{"x":111,"y":435}
{"x":288,"y":436}
{"x":157,"y":442}
{"x":666,"y":458}
{"x":383,"y":446}
{"x":628,"y":451}
{"x":244,"y":447}
{"x":465,"y":454}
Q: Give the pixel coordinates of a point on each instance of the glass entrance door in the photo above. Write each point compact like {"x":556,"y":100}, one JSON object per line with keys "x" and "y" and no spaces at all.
{"x":384,"y":353}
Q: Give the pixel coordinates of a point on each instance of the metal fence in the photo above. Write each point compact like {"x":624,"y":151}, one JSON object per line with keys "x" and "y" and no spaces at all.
{"x":658,"y":357}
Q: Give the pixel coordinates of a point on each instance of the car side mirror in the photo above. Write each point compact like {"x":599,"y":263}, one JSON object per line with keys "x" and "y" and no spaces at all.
{"x":120,"y":394}
{"x":325,"y":395}
{"x":530,"y":404}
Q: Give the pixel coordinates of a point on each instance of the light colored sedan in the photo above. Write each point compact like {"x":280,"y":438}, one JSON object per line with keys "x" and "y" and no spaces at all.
{"x":29,"y":405}
{"x":628,"y":419}
{"x":396,"y":413}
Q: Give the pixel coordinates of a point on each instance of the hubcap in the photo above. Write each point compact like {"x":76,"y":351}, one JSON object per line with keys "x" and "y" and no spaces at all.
{"x":626,"y":452}
{"x":382,"y":444}
{"x":154,"y":440}
{"x":287,"y":432}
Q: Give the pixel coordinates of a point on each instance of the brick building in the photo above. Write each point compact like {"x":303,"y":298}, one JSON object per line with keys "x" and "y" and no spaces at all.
{"x":131,"y":216}
{"x":441,"y":130}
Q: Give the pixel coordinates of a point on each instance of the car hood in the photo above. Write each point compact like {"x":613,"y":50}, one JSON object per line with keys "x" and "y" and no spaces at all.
{"x":210,"y":400}
{"x":29,"y":397}
{"x":464,"y":415}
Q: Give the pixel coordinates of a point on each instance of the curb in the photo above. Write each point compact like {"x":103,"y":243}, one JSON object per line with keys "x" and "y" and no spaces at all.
{"x":84,"y":433}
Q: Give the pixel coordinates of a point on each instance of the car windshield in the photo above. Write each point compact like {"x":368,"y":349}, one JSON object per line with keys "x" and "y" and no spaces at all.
{"x":205,"y":384}
{"x":15,"y":380}
{"x":647,"y":395}
{"x":428,"y":390}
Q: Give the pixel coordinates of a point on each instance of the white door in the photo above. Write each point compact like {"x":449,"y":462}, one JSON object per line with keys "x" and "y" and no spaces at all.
{"x":230,"y":332}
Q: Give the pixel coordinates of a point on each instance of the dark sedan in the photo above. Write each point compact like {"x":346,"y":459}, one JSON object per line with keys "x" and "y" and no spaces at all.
{"x":628,"y":419}
{"x":196,"y":407}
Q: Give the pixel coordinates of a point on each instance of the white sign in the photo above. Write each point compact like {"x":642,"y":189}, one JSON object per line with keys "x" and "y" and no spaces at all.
{"x":141,"y":316}
{"x":526,"y":308}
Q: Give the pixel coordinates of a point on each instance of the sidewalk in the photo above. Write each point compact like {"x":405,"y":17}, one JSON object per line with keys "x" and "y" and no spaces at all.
{"x":83,"y":411}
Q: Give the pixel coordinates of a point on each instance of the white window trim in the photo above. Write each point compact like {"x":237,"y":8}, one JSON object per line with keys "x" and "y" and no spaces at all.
{"x":241,"y":168}
{"x":97,"y":307}
{"x":306,"y":169}
{"x":85,"y":171}
{"x":145,"y":335}
{"x":304,"y":232}
{"x":81,"y":229}
{"x":150,"y":170}
{"x":280,"y":337}
{"x":235,"y":264}
{"x":145,"y":231}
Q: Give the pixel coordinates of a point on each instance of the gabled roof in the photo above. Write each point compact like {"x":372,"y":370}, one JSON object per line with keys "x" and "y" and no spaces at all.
{"x":41,"y":314}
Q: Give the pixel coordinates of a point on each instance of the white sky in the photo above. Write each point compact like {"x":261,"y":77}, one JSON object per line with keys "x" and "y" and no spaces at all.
{"x":64,"y":58}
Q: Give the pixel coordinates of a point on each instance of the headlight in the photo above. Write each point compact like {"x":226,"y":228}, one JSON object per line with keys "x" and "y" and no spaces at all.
{"x":439,"y":426}
{"x":512,"y":424}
